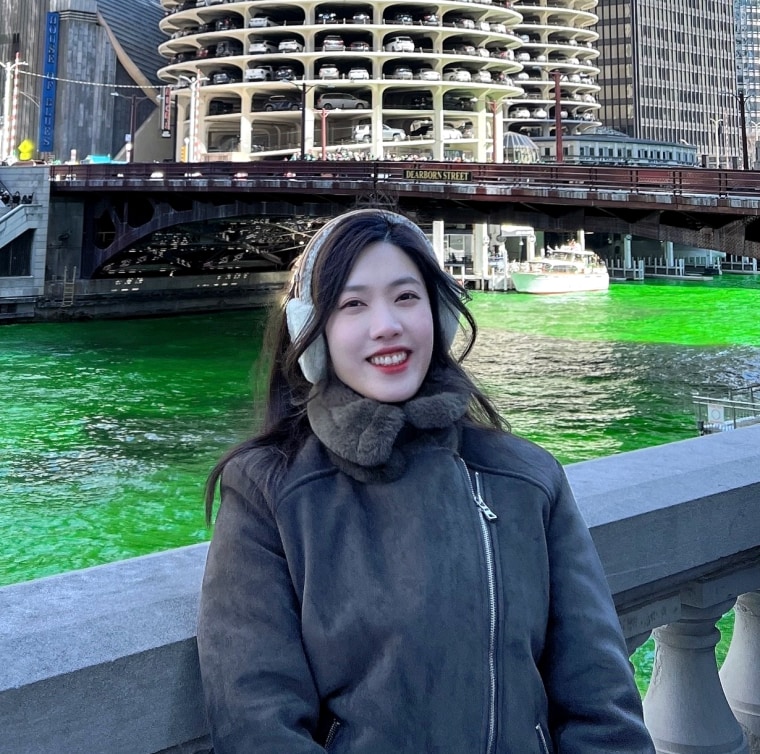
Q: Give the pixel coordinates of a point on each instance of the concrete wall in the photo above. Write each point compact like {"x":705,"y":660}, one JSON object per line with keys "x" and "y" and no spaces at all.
{"x":31,"y":181}
{"x":104,"y":659}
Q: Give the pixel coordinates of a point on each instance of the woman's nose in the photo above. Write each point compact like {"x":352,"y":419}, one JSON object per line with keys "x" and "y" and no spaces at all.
{"x":385,"y":323}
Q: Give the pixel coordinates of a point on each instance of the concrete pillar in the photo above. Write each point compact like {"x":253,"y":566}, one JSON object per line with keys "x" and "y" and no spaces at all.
{"x":183,"y":105}
{"x":438,"y":234}
{"x":685,"y":709}
{"x":536,"y":245}
{"x":627,"y":257}
{"x":530,"y":245}
{"x":582,"y":238}
{"x":309,"y":140}
{"x":667,"y":248}
{"x":740,"y":674}
{"x":246,"y":125}
{"x":480,"y":251}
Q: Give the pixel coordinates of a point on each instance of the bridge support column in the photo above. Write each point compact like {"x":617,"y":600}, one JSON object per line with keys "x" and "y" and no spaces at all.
{"x":667,"y":249}
{"x":438,"y":240}
{"x":627,"y":256}
{"x":685,"y":709}
{"x":480,"y":252}
{"x":581,"y":235}
{"x":740,"y":674}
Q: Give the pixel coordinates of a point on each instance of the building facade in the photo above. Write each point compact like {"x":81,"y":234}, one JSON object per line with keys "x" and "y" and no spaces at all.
{"x":102,"y":55}
{"x":668,"y":73}
{"x":747,"y":24}
{"x":436,"y":81}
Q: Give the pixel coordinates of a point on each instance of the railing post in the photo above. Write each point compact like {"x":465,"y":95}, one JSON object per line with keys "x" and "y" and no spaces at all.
{"x":740,"y":674}
{"x":685,"y":709}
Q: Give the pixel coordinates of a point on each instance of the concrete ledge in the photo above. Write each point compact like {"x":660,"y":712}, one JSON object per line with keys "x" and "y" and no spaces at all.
{"x":103,"y":660}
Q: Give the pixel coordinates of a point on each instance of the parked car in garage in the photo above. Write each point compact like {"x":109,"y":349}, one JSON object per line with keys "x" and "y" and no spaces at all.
{"x":340,"y":101}
{"x":363,"y":132}
{"x":333,"y":43}
{"x":290,"y":45}
{"x":358,"y":74}
{"x":285,"y":73}
{"x":259,"y":73}
{"x":400,"y":44}
{"x":226,"y":77}
{"x":329,"y":71}
{"x":428,"y":74}
{"x":402,"y":72}
{"x":457,"y":74}
{"x":261,"y":47}
{"x":282,"y":102}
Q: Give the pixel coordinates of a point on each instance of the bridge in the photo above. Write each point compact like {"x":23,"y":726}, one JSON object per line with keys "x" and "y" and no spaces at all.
{"x":715,"y":209}
{"x":161,"y":237}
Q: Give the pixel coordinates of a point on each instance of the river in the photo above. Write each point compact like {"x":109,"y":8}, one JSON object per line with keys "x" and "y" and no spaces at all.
{"x":109,"y":427}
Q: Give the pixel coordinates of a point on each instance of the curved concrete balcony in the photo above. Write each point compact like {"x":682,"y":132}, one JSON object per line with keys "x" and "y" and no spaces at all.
{"x":244,"y":51}
{"x":109,"y":653}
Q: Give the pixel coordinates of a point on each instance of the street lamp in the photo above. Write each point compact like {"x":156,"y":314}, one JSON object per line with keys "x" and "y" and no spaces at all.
{"x":194,"y":82}
{"x":742,"y":99}
{"x":323,"y":114}
{"x":304,"y":91}
{"x":134,"y":100}
{"x":718,"y":123}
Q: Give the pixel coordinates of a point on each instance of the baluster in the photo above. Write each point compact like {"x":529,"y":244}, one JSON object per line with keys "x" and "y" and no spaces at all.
{"x":740,"y":674}
{"x":685,"y":709}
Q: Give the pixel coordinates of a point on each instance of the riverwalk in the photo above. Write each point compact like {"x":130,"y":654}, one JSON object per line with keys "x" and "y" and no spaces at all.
{"x":104,"y":659}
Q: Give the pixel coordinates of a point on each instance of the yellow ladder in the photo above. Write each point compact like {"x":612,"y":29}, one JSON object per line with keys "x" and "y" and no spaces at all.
{"x":69,"y":287}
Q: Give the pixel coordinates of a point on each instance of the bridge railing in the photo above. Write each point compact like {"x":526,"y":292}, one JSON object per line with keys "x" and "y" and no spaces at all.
{"x":104,"y":659}
{"x":722,"y":183}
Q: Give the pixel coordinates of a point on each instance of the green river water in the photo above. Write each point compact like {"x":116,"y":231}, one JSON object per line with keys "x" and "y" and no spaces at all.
{"x":109,"y":427}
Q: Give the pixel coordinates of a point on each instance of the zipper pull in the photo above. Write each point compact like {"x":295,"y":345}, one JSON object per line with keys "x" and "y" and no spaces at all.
{"x":488,"y":514}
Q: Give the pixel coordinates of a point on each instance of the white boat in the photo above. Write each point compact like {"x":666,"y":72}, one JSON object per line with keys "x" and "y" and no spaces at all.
{"x":567,"y":269}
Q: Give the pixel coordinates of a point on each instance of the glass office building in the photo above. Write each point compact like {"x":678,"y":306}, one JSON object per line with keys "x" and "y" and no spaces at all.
{"x":668,"y":73}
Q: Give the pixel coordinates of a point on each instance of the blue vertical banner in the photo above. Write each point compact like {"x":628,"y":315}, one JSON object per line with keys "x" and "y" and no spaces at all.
{"x":50,"y":74}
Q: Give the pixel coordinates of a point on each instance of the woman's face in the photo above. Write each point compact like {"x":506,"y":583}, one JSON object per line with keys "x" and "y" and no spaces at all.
{"x":380,"y":336}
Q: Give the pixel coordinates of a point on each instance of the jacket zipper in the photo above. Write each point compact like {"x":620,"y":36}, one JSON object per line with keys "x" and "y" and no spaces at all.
{"x":332,"y":733}
{"x":542,"y":739}
{"x":486,"y":515}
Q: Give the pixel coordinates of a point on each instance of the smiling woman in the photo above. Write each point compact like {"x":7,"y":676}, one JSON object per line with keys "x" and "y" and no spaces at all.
{"x":382,"y":497}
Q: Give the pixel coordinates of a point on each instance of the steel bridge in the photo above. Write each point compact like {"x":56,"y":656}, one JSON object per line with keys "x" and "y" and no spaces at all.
{"x":211,"y":206}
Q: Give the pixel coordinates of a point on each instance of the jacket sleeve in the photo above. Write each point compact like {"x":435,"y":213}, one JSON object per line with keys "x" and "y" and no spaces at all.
{"x":259,"y":690}
{"x":594,"y":704}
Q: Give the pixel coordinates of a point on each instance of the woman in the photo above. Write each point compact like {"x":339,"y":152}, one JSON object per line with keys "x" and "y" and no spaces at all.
{"x":391,"y":571}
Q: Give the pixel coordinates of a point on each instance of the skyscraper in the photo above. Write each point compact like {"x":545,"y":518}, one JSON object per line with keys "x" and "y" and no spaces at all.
{"x":668,"y":72}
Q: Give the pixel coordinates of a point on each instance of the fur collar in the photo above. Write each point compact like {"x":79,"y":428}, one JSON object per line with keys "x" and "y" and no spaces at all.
{"x":370,"y":440}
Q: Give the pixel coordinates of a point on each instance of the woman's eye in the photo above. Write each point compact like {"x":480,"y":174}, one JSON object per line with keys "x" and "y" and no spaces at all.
{"x":350,"y":304}
{"x":408,"y":296}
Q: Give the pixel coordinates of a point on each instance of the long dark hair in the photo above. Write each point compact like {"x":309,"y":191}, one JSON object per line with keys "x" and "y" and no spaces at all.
{"x":284,"y":426}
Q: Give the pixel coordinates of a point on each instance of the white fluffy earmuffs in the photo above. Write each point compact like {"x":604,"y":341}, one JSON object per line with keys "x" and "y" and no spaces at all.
{"x":299,"y":310}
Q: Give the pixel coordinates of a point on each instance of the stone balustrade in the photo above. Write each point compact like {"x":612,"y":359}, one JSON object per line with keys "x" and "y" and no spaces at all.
{"x":104,"y":659}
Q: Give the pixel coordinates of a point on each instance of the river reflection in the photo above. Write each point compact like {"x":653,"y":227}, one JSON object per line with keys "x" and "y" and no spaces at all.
{"x":593,"y":398}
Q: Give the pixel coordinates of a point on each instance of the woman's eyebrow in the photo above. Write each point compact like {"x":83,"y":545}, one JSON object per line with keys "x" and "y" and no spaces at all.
{"x":406,"y":280}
